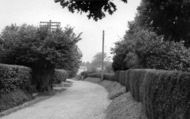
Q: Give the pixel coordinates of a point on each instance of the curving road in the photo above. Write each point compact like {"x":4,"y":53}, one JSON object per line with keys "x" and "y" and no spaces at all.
{"x":83,"y":100}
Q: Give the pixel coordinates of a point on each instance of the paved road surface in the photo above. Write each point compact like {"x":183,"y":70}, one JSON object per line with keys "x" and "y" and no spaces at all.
{"x":83,"y":100}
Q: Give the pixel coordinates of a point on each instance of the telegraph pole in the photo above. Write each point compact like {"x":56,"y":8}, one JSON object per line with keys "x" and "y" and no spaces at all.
{"x":52,"y":26}
{"x":102,"y":73}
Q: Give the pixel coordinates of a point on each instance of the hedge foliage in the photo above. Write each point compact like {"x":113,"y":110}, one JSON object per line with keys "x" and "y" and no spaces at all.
{"x":14,"y":77}
{"x":164,"y":94}
{"x":60,"y":75}
{"x":16,"y":84}
{"x":41,"y":50}
{"x":106,"y":76}
{"x":141,"y":48}
{"x":13,"y":98}
{"x":167,"y":95}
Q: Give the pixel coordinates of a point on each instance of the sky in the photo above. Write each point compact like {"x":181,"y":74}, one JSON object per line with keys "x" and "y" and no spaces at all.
{"x":33,"y":11}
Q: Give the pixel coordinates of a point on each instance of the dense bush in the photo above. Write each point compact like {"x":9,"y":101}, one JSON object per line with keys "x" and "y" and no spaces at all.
{"x":167,"y":17}
{"x":164,"y":94}
{"x":15,"y":85}
{"x":42,"y":50}
{"x":13,"y":99}
{"x":106,"y":76}
{"x":14,"y":77}
{"x":144,"y":49}
{"x":122,"y":77}
{"x":60,"y":75}
{"x":96,"y":64}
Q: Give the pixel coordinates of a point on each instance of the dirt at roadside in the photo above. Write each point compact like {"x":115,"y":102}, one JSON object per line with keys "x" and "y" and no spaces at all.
{"x":124,"y":107}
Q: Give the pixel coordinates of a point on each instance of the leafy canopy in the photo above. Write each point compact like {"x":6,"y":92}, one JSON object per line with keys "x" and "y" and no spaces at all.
{"x":142,"y":48}
{"x":40,"y":48}
{"x":170,"y":18}
{"x":95,"y":9}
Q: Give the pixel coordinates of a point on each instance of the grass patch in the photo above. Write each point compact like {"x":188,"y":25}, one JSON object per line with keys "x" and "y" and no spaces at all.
{"x":123,"y":106}
{"x":114,"y":89}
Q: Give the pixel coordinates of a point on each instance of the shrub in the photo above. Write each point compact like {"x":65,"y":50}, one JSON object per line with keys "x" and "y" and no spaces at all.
{"x":13,"y":99}
{"x":122,"y":77}
{"x":164,"y":94}
{"x":106,"y":76}
{"x":109,"y":76}
{"x":117,"y":76}
{"x":135,"y":80}
{"x":14,"y":77}
{"x":15,"y":85}
{"x":60,"y":75}
{"x":42,"y":50}
{"x":144,"y":49}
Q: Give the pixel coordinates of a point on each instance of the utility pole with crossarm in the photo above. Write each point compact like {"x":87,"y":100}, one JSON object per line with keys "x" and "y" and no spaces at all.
{"x":52,"y":26}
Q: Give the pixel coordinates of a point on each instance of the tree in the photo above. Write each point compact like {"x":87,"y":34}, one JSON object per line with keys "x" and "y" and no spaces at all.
{"x":42,"y":50}
{"x":142,"y":48}
{"x":97,"y":62}
{"x":95,"y":9}
{"x":170,"y":18}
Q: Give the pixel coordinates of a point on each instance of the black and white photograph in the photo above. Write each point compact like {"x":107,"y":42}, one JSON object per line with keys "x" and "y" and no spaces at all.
{"x":94,"y":59}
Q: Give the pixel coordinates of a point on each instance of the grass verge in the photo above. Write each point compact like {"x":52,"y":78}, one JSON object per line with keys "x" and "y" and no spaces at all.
{"x":123,"y":106}
{"x":114,"y":89}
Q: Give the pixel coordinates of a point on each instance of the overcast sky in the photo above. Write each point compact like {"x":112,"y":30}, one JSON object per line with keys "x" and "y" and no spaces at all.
{"x":34,"y":11}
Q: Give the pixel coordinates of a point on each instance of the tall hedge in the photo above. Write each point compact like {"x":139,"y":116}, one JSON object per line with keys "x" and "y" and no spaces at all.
{"x":14,"y":77}
{"x":164,"y":94}
{"x":167,"y":95}
{"x":15,"y":85}
{"x":135,"y":80}
{"x":60,"y":75}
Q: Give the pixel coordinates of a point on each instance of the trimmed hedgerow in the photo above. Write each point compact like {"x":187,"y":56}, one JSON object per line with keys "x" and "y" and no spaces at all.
{"x":60,"y":75}
{"x":109,"y":76}
{"x":14,"y":77}
{"x":164,"y":94}
{"x":117,"y":76}
{"x":106,"y":76}
{"x":15,"y":85}
{"x":167,"y":95}
{"x":136,"y":78}
{"x":13,"y":99}
{"x":121,"y":77}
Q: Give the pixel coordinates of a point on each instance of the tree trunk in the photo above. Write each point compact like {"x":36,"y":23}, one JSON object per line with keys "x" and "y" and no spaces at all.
{"x":42,"y":78}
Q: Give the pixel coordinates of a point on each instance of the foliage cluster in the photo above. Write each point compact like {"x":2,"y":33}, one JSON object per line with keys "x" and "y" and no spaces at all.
{"x":59,"y":76}
{"x":166,"y":17}
{"x":14,"y":77}
{"x":13,"y":99}
{"x":96,"y":64}
{"x":164,"y":94}
{"x":157,"y":38}
{"x":145,"y":49}
{"x":16,"y":87}
{"x":95,"y":9}
{"x":42,"y":50}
